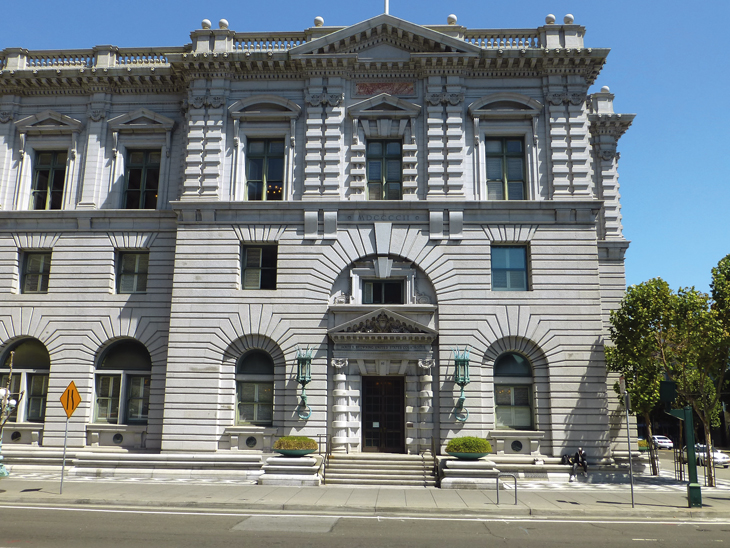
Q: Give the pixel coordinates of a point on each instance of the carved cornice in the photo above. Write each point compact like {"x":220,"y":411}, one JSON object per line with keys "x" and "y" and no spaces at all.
{"x":444,"y":98}
{"x":324,"y":99}
{"x":5,"y":116}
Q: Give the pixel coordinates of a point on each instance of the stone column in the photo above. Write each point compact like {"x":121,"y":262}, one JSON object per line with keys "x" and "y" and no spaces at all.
{"x":314,"y":141}
{"x":425,"y":405}
{"x":340,"y":394}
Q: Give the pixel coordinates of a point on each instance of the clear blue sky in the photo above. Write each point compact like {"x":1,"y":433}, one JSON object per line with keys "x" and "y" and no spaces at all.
{"x":666,"y":65}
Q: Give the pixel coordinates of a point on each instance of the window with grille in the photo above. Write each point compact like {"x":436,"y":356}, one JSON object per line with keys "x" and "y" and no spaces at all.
{"x":255,"y":388}
{"x":142,"y":179}
{"x":505,"y":169}
{"x":509,"y":268}
{"x":36,"y":272}
{"x":49,"y":176}
{"x":259,"y":267}
{"x":265,"y":169}
{"x":132,"y":272}
{"x":384,"y":170}
{"x":123,"y":384}
{"x":513,"y":392}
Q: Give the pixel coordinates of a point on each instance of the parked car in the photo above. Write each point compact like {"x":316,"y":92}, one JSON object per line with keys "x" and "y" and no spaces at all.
{"x":718,"y":457}
{"x":662,"y":442}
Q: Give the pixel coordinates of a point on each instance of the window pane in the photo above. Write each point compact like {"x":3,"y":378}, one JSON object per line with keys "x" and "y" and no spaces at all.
{"x":393,"y":293}
{"x":276,"y":170}
{"x":499,"y":279}
{"x":255,"y":190}
{"x":274,"y":191}
{"x":516,"y":191}
{"x":493,"y":146}
{"x":253,"y":257}
{"x":252,"y":278}
{"x":375,"y":149}
{"x":132,"y":201}
{"x":503,"y":395}
{"x":268,"y":256}
{"x":150,"y":199}
{"x":517,"y":280}
{"x":136,"y":157}
{"x":276,"y":147}
{"x":522,"y":417}
{"x":375,"y":170}
{"x":367,"y":297}
{"x":256,"y":147}
{"x":126,"y":283}
{"x":61,"y":159}
{"x":494,"y":169}
{"x":134,"y":180}
{"x":45,"y":158}
{"x":264,"y":413}
{"x":265,"y":392}
{"x":392,"y":148}
{"x":56,"y":200}
{"x":514,"y":169}
{"x":521,"y":395}
{"x":155,"y":157}
{"x":375,"y":191}
{"x":255,"y":169}
{"x":42,"y":177}
{"x":499,"y":257}
{"x":153,"y":179}
{"x":246,"y":412}
{"x":393,"y":191}
{"x":494,"y":191}
{"x":516,"y":257}
{"x":514,"y":146}
{"x":392,"y":170}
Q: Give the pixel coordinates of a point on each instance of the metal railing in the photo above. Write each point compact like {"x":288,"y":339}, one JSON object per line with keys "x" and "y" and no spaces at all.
{"x":504,"y":474}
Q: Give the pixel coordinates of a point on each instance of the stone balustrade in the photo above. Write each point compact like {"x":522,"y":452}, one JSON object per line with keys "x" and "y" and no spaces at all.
{"x":272,"y":41}
{"x":503,"y":39}
{"x":97,"y":57}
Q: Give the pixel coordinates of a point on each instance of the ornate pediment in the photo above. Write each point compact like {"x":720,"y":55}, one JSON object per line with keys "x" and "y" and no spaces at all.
{"x":49,"y":122}
{"x":384,"y":106}
{"x":505,"y":105}
{"x":142,"y":121}
{"x":265,"y":108}
{"x":382,"y":326}
{"x":385,"y":38}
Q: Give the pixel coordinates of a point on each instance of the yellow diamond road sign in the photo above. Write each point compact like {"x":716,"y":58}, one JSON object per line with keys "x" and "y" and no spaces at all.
{"x":70,"y":399}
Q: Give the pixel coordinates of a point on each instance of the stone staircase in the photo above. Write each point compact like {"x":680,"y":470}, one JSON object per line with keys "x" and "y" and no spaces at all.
{"x":380,"y":469}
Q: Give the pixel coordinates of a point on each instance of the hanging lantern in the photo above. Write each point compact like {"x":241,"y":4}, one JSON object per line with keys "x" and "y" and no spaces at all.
{"x":304,"y":375}
{"x":461,"y":378}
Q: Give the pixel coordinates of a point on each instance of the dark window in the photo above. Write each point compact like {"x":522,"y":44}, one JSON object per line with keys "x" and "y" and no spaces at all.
{"x":124,"y":369}
{"x":382,"y":292}
{"x":31,"y":363}
{"x":265,"y":170}
{"x":49,"y":175}
{"x":255,"y":389}
{"x":509,"y":268}
{"x":505,"y":169}
{"x":36,"y":272}
{"x":513,"y":391}
{"x":259,"y":267}
{"x":384,"y":171}
{"x":143,"y":179}
{"x":132,"y":272}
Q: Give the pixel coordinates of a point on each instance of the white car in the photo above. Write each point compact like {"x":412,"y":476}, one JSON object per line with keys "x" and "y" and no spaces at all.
{"x":719,"y":458}
{"x":662,"y":442}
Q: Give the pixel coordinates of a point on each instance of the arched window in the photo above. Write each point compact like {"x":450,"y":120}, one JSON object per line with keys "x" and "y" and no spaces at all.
{"x":125,"y":369}
{"x":513,"y":392}
{"x":255,"y":388}
{"x":31,"y":365}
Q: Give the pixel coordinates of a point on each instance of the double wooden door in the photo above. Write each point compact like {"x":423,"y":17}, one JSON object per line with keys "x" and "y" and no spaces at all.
{"x":383,"y":414}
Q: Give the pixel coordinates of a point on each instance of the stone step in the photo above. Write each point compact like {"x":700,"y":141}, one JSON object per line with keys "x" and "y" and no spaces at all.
{"x":427,"y":482}
{"x":379,"y":469}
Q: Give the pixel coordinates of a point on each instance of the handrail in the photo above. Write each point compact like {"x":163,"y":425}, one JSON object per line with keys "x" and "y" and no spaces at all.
{"x":436,"y":471}
{"x":505,"y":474}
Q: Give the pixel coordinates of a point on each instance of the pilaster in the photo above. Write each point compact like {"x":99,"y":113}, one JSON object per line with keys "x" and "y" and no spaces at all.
{"x":7,"y":139}
{"x":93,"y":169}
{"x":435,"y":136}
{"x":334,"y":131}
{"x":558,"y":123}
{"x":453,"y":100}
{"x":314,"y":141}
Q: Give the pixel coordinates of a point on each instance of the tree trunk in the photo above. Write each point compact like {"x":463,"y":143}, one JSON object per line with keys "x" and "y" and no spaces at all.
{"x":709,"y":462}
{"x":650,"y":441}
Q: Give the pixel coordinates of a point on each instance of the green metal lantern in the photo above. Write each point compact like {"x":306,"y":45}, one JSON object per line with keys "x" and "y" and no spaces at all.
{"x":304,"y":376}
{"x":461,"y":378}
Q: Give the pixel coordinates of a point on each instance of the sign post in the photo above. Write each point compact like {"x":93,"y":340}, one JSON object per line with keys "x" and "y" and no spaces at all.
{"x":70,"y":400}
{"x":627,"y":404}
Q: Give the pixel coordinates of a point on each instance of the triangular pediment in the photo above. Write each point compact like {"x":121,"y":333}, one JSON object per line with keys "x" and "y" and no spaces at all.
{"x":384,"y":106}
{"x":142,"y":120}
{"x":385,"y":38}
{"x":49,"y":121}
{"x":382,"y":326}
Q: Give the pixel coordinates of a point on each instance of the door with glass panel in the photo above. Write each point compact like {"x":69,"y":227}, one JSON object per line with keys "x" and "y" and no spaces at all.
{"x":383,"y":414}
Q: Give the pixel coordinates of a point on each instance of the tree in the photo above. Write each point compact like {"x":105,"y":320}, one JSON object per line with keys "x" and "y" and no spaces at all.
{"x":640,"y":334}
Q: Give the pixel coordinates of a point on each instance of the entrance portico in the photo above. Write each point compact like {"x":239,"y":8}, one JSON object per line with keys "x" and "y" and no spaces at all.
{"x":382,"y":383}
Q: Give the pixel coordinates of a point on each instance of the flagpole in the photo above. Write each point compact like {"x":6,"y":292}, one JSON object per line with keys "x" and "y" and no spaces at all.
{"x":387,"y":7}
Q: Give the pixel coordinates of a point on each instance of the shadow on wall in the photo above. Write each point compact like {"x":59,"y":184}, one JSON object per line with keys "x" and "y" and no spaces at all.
{"x":588,"y":421}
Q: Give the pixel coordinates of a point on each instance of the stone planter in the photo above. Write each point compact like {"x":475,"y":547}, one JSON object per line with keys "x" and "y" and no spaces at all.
{"x":294,"y":452}
{"x":467,"y":456}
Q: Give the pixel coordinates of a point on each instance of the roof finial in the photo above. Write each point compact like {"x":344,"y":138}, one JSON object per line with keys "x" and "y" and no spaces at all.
{"x":387,"y":7}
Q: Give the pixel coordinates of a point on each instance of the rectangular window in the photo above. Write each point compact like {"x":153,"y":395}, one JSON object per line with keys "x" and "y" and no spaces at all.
{"x":384,"y":170}
{"x":37,"y":394}
{"x":509,"y":268}
{"x":259,"y":267}
{"x":132,"y":272}
{"x":36,"y":272}
{"x":14,"y":391}
{"x":513,"y":409}
{"x":138,"y":398}
{"x":142,"y":179}
{"x":382,"y":292}
{"x":49,"y":176}
{"x":505,"y":169}
{"x":265,"y":169}
{"x":107,"y":398}
{"x":255,"y":403}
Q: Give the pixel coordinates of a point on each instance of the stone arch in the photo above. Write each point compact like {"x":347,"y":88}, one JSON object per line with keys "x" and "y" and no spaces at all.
{"x":502,"y":103}
{"x":274,"y":106}
{"x":37,"y":352}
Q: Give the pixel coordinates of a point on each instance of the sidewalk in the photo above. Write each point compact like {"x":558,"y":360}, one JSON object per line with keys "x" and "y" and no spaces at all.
{"x":573,"y":501}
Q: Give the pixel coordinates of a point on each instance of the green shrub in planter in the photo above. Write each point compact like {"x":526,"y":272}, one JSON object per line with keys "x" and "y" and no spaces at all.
{"x":295,"y":442}
{"x":643,"y":445}
{"x":468,"y":444}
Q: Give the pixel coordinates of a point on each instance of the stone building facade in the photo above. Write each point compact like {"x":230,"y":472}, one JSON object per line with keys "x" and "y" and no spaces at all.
{"x":182,"y":228}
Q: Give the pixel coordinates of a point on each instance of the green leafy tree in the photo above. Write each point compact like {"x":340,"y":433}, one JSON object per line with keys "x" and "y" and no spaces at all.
{"x":640,"y":332}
